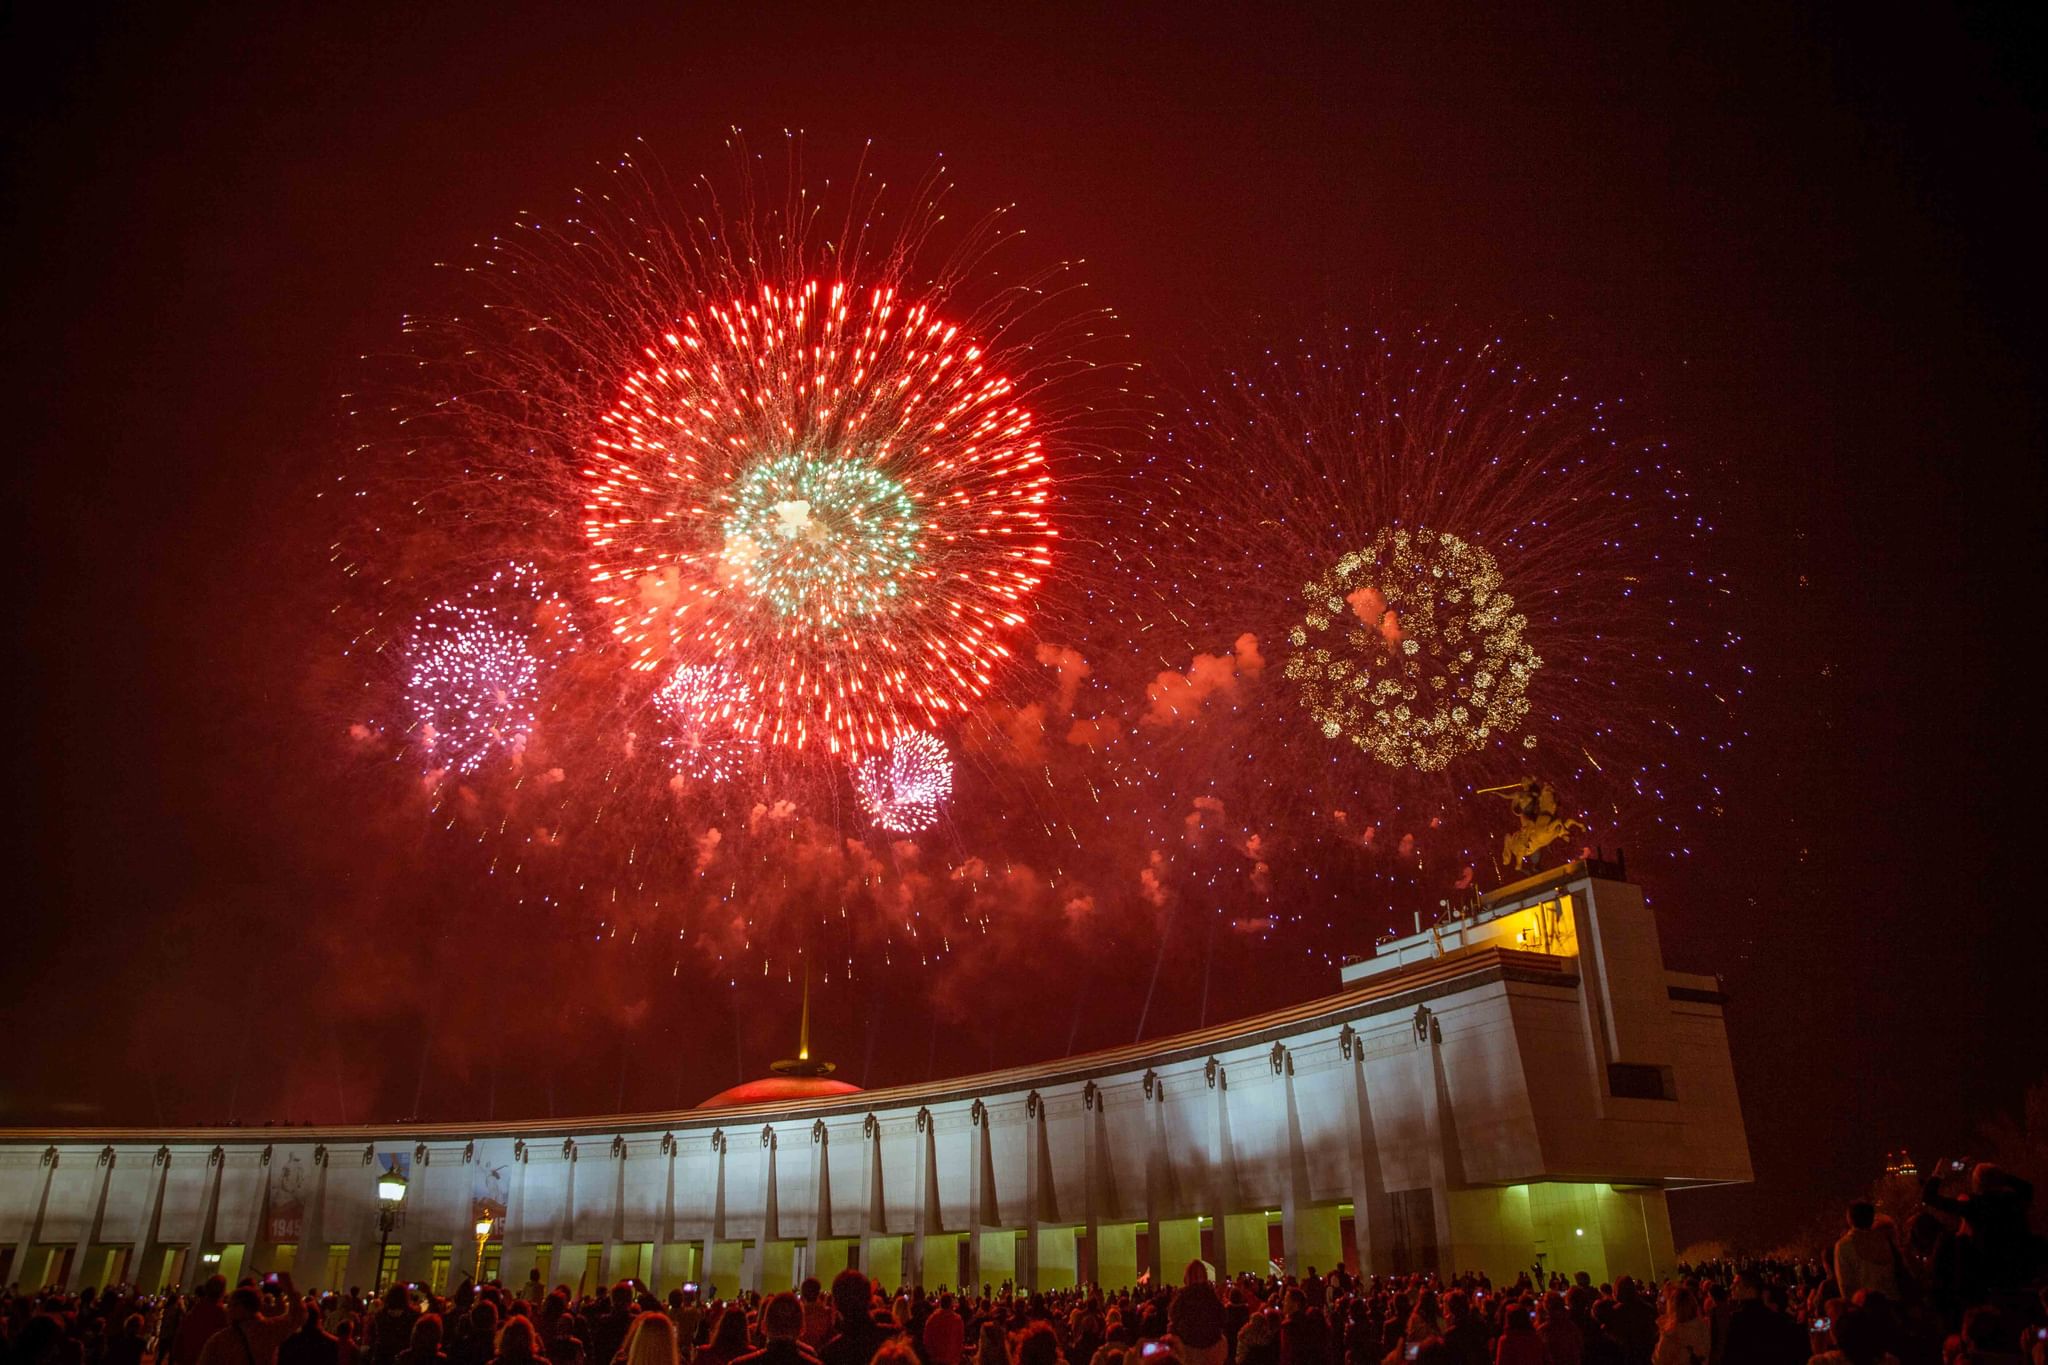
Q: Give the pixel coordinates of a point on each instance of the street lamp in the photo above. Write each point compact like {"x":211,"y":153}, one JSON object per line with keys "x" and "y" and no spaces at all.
{"x":484,"y":1227}
{"x":390,"y":1198}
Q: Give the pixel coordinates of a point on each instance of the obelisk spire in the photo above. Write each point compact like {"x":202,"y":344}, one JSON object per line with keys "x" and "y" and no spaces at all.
{"x":801,"y":1064}
{"x":803,"y":1028}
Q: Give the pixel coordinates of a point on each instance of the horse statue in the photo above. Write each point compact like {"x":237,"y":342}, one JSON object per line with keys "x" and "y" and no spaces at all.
{"x":1535,"y":806}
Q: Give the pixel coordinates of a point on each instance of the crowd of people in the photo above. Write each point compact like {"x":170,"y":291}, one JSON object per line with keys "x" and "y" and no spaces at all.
{"x":1958,"y":1289}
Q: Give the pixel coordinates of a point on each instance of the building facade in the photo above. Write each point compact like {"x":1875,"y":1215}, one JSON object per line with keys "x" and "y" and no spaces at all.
{"x":1519,"y":1087}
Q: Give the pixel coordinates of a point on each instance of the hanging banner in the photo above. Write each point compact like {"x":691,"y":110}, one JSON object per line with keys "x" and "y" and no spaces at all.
{"x":395,"y":1162}
{"x":284,"y":1209}
{"x":489,"y":1190}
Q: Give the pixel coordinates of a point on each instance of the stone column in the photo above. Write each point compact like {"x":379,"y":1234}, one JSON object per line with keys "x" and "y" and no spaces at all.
{"x":821,"y":1195}
{"x":1155,"y":1178}
{"x":89,"y":1231}
{"x":513,"y":1264}
{"x":1294,"y":1192}
{"x":1094,"y":1146}
{"x":872,"y":1207}
{"x":147,"y":1247}
{"x":770,"y":1209}
{"x":927,"y":1198}
{"x":665,"y":1224}
{"x":1222,"y":1193}
{"x":717,"y":1232}
{"x":216,"y":1162}
{"x":565,"y":1225}
{"x":1036,"y":1180}
{"x":614,"y":1225}
{"x":1369,"y":1213}
{"x":982,"y":1208}
{"x":414,"y":1255}
{"x":253,"y":1240}
{"x":363,"y":1268}
{"x":1438,"y":1126}
{"x":32,"y":1226}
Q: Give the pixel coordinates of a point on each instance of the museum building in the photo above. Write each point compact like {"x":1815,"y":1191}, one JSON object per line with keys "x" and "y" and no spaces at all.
{"x":1522,"y":1085}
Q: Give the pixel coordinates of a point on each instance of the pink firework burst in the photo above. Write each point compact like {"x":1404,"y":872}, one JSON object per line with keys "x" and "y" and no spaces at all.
{"x":475,"y":665}
{"x":704,"y":711}
{"x":902,"y":787}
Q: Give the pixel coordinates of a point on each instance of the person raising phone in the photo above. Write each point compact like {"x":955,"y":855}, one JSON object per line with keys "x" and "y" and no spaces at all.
{"x":250,"y":1338}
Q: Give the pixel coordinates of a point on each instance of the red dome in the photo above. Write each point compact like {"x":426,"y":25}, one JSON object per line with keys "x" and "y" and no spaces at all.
{"x":780,"y":1090}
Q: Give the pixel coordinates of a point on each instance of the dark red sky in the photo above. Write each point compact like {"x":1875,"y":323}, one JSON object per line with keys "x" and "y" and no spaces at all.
{"x":1807,"y":240}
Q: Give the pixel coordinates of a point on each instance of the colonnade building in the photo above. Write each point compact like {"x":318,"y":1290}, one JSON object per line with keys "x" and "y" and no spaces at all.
{"x":1521,"y":1086}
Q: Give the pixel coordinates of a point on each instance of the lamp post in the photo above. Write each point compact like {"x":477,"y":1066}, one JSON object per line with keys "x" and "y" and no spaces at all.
{"x":484,"y":1227}
{"x":390,"y":1198}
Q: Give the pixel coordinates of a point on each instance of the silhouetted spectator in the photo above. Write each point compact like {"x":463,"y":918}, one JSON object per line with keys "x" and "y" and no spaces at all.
{"x":425,"y":1346}
{"x":1866,"y":1257}
{"x":1518,"y":1344}
{"x":1996,"y":1249}
{"x":782,"y":1324}
{"x":310,"y":1345}
{"x":858,"y":1335}
{"x":390,"y":1330}
{"x":1634,"y":1323}
{"x":250,"y":1338}
{"x":204,"y":1316}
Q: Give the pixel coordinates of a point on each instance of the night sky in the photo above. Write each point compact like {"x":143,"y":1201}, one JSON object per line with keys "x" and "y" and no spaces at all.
{"x":1807,"y":241}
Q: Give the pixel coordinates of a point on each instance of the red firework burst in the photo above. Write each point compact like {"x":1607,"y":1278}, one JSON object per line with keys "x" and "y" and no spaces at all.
{"x":834,"y":492}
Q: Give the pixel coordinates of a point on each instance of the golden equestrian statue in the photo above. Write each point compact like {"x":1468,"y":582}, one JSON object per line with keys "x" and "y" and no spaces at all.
{"x":1535,"y":805}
